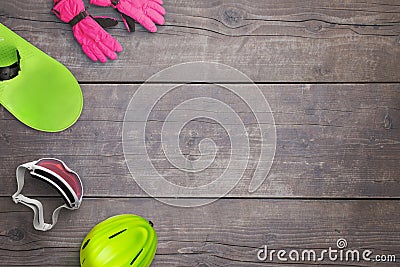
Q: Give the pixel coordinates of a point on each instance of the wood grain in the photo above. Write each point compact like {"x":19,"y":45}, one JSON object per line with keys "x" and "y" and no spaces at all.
{"x":270,"y":41}
{"x":330,"y":73}
{"x":330,"y":141}
{"x":226,"y":233}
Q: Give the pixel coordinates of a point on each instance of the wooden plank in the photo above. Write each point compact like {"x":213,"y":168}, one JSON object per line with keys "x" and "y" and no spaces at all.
{"x":270,"y":41}
{"x":331,"y":142}
{"x":226,"y":233}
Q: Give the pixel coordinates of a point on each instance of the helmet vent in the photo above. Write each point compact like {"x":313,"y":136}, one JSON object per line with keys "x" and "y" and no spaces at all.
{"x":86,"y":243}
{"x":114,"y":235}
{"x":136,"y":257}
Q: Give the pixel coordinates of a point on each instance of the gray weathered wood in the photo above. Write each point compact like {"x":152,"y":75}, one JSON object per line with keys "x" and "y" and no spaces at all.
{"x":330,"y":141}
{"x":226,"y":233}
{"x":335,"y":173}
{"x":270,"y":41}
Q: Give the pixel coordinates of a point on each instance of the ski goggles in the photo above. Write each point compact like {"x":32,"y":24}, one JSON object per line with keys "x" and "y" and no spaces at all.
{"x":56,"y":173}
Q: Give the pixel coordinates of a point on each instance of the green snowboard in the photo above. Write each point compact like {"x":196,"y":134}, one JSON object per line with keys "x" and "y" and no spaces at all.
{"x":38,"y":90}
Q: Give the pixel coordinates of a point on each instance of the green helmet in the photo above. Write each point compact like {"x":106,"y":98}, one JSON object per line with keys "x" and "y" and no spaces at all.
{"x":123,"y":240}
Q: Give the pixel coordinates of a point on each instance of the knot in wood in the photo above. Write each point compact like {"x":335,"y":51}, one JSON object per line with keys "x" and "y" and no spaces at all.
{"x":387,"y":122}
{"x":15,"y":234}
{"x":314,"y":26}
{"x":322,"y":70}
{"x":232,"y":17}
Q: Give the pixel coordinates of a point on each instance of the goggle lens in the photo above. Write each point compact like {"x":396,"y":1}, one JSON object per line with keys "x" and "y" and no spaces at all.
{"x":61,"y":170}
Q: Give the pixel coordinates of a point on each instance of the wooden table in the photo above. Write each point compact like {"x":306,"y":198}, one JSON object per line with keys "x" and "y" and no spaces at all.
{"x":330,"y":71}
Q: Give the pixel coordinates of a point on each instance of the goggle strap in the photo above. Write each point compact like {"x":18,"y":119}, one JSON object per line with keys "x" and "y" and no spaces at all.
{"x":37,"y":207}
{"x":20,"y":173}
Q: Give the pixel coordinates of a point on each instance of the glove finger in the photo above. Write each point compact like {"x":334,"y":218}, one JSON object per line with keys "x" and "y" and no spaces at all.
{"x":99,"y":35}
{"x":112,"y":43}
{"x":157,"y":7}
{"x":109,"y":41}
{"x":155,"y":16}
{"x":84,"y":42}
{"x":107,"y":50}
{"x":146,"y":22}
{"x":99,"y":54}
{"x":86,"y":49}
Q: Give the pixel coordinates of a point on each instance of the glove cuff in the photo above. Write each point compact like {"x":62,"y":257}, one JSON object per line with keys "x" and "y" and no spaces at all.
{"x":67,"y":10}
{"x":78,"y":18}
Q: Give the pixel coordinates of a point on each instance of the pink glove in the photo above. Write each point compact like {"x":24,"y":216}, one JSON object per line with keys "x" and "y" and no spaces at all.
{"x":146,"y":12}
{"x":95,"y":41}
